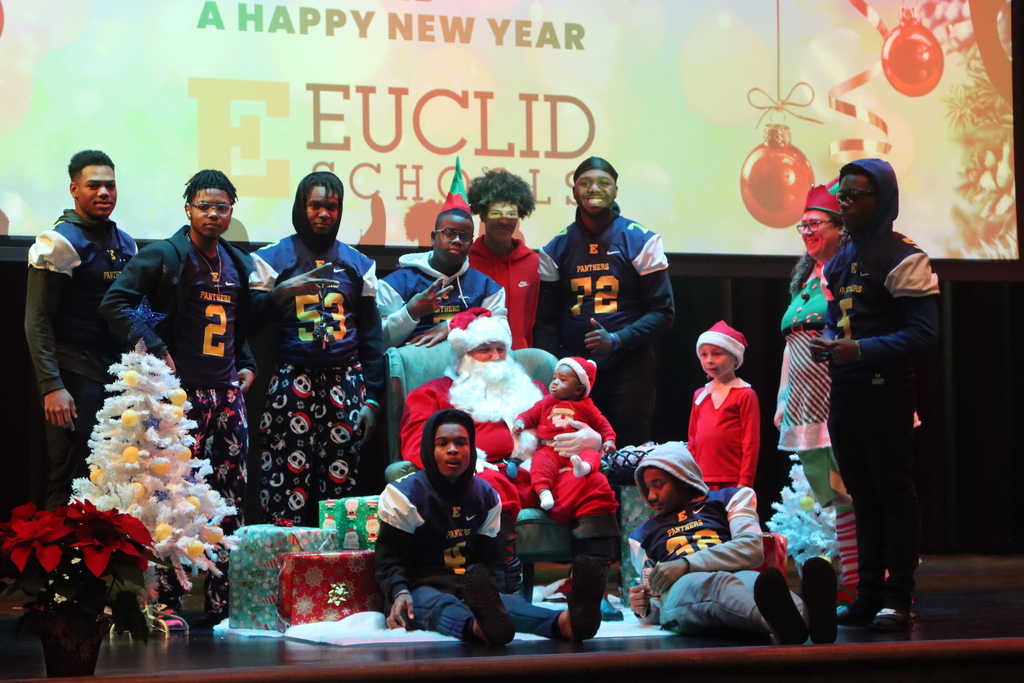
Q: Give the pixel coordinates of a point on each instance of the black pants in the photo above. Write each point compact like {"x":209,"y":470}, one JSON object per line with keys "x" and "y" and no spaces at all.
{"x":68,"y":449}
{"x":625,"y":391}
{"x":872,"y":434}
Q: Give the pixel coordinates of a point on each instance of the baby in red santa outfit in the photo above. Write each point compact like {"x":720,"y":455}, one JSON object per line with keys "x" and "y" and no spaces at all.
{"x":554,"y":414}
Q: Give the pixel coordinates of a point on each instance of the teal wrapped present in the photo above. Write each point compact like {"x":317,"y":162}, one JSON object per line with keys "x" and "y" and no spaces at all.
{"x":355,"y":519}
{"x":254,"y":570}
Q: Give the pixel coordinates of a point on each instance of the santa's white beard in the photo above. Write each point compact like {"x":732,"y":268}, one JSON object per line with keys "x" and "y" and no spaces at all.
{"x":495,"y":391}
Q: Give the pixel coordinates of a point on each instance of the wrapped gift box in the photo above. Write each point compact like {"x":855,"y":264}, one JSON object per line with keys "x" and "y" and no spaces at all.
{"x":326,"y":587}
{"x":254,"y":570}
{"x":355,"y":519}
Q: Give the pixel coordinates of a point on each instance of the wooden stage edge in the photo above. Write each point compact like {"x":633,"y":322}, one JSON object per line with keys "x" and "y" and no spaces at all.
{"x":934,"y":661}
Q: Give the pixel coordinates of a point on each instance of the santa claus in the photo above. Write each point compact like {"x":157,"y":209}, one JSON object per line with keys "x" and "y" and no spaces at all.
{"x":494,"y":389}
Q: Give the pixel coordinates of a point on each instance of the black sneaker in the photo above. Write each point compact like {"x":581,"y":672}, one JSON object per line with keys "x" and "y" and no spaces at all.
{"x":773,"y":600}
{"x":588,"y":586}
{"x":857,"y":613}
{"x":892,"y":619}
{"x":484,"y":601}
{"x":819,"y":593}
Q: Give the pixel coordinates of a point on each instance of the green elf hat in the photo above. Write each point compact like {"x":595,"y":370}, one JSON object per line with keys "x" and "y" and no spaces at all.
{"x":457,"y":192}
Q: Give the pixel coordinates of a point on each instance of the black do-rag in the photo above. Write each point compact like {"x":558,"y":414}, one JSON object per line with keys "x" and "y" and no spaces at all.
{"x":595,"y":164}
{"x":449,"y":490}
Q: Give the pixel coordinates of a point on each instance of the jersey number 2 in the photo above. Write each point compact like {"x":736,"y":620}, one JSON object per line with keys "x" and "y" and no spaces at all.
{"x":217,"y":326}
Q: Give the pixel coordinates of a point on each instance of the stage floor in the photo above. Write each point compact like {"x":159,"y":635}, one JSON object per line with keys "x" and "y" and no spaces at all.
{"x":970,"y":626}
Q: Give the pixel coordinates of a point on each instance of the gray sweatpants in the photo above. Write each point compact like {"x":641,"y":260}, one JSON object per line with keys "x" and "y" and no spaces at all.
{"x":707,"y":601}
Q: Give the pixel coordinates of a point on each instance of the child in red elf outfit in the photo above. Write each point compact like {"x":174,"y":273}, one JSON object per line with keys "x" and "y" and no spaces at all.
{"x":725,"y":420}
{"x":554,"y":414}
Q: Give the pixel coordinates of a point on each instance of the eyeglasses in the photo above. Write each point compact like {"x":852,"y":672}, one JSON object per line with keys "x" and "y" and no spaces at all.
{"x":853,"y":196}
{"x":451,"y":233}
{"x":810,"y":227}
{"x":220,"y":209}
{"x":503,"y":214}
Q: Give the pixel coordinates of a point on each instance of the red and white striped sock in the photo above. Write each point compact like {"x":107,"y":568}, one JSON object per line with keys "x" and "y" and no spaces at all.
{"x":846,"y":534}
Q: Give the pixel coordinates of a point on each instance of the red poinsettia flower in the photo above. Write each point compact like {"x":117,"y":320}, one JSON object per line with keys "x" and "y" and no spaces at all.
{"x":31,"y":533}
{"x":99,"y":534}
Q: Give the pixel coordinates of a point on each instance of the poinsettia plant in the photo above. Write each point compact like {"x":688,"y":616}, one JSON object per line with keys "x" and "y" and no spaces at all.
{"x":78,"y":561}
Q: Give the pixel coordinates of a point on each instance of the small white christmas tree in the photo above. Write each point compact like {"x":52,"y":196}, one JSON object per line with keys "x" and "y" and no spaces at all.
{"x":809,"y":528}
{"x":141,"y":464}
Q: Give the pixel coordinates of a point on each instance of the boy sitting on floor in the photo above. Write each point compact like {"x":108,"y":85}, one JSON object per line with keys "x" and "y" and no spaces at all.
{"x":699,"y":547}
{"x":437,"y":551}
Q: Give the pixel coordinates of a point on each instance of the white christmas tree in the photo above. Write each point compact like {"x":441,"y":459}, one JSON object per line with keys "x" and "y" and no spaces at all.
{"x":142,"y":464}
{"x":809,"y":528}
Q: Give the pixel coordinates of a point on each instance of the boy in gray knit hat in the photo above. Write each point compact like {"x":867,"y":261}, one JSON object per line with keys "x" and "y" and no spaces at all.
{"x":696,"y":554}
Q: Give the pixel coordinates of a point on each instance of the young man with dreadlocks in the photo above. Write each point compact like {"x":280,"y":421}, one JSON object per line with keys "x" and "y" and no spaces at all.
{"x":322,"y":400}
{"x":501,"y":199}
{"x":200,"y":282}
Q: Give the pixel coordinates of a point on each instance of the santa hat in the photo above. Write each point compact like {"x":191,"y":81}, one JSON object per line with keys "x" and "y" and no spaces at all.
{"x":477,"y":326}
{"x":823,"y":197}
{"x":457,"y":192}
{"x":724,"y":337}
{"x":584,"y":368}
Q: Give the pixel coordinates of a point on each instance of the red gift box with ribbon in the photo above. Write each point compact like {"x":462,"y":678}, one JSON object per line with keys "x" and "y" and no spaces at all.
{"x":326,"y":586}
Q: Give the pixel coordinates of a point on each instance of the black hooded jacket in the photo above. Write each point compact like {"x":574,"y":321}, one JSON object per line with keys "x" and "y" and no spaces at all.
{"x":432,"y":529}
{"x":881,"y":290}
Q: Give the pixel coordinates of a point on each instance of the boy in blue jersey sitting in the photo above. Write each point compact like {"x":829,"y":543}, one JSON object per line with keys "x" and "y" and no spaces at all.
{"x":696,"y":554}
{"x":437,"y":551}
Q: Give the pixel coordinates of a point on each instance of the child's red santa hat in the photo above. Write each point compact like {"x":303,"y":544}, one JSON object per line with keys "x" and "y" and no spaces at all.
{"x":585,"y":369}
{"x":477,"y":326}
{"x":725,"y":337}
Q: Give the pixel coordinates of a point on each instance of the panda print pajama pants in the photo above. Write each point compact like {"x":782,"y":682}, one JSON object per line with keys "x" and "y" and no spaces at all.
{"x":222,"y":437}
{"x":310,"y":438}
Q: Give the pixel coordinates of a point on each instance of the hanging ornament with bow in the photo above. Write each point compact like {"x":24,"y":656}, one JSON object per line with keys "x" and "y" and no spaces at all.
{"x":776,"y":174}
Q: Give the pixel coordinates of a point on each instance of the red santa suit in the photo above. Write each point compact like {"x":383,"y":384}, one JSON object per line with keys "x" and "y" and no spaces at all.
{"x":551,"y":416}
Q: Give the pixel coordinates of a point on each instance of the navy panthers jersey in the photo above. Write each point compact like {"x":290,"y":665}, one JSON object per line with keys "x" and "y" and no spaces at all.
{"x":443,"y":533}
{"x":697,"y":527}
{"x":204,"y":329}
{"x":600,"y":276}
{"x":93,"y":259}
{"x":354,"y":275}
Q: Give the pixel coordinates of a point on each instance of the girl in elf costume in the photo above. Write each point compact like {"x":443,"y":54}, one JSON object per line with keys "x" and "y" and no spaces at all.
{"x":802,"y":410}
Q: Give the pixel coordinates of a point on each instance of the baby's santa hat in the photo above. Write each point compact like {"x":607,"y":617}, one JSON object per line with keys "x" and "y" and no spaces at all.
{"x":725,"y":337}
{"x":477,"y":326}
{"x":585,"y":369}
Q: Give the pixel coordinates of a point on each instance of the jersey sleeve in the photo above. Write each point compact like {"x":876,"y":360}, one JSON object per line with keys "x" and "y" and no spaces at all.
{"x":913,"y":276}
{"x":548,"y":267}
{"x":370,"y":283}
{"x":495,"y":300}
{"x":395,"y":508}
{"x":52,"y":251}
{"x":745,"y":549}
{"x":492,"y":524}
{"x":651,"y":257}
{"x":395,"y":321}
{"x":264,"y":276}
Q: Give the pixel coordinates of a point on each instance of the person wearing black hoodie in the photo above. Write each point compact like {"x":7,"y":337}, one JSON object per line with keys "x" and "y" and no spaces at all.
{"x":322,"y":401}
{"x":437,"y":552}
{"x":71,"y":266}
{"x":882,"y":310}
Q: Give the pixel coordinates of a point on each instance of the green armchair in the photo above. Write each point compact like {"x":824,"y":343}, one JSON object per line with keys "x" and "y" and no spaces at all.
{"x":408,"y":367}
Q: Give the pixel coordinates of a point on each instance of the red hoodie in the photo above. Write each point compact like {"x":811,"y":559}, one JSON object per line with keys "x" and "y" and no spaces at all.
{"x":519,"y":274}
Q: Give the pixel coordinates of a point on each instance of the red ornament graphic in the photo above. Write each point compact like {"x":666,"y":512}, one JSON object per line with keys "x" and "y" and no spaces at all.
{"x":912,"y":58}
{"x":775,"y":179}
